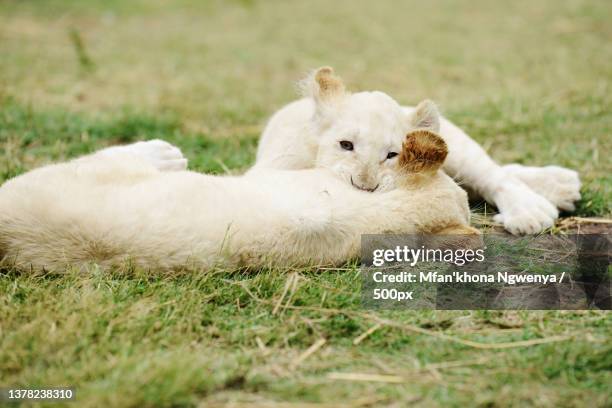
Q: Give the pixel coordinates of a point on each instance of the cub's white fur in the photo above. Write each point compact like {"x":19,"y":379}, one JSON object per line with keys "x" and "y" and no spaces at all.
{"x":307,"y":132}
{"x":118,"y":205}
{"x":159,"y":153}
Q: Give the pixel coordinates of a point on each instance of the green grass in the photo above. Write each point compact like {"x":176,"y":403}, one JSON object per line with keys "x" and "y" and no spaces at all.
{"x":531,"y":81}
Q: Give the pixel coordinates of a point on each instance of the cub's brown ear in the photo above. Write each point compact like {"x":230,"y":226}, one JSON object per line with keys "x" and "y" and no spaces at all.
{"x":422,"y":151}
{"x":330,"y":85}
{"x":323,"y":85}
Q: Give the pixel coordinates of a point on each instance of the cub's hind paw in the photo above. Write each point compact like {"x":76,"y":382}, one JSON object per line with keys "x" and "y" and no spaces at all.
{"x":162,"y":155}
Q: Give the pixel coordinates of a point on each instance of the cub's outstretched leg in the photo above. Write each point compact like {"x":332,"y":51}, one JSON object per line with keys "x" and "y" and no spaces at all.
{"x":558,"y":185}
{"x":162,"y":155}
{"x":126,"y":164}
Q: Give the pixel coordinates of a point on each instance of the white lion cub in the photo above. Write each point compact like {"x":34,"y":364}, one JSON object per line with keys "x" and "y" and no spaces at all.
{"x":359,"y":135}
{"x":118,"y":205}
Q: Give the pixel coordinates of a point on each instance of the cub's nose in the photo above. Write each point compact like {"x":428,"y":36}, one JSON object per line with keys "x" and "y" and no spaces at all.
{"x":364,"y":184}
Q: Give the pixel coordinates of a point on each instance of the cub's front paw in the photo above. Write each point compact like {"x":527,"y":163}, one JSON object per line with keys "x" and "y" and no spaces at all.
{"x":161,"y":154}
{"x":522,"y":211}
{"x":558,"y":185}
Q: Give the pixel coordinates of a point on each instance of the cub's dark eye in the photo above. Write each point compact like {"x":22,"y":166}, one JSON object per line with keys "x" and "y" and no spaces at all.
{"x":391,"y":155}
{"x":346,"y":145}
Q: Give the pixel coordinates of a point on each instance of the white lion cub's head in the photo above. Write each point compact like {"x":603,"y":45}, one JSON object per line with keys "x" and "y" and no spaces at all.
{"x":361,"y":134}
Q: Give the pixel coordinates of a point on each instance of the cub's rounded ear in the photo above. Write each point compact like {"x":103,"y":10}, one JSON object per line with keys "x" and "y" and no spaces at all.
{"x":323,"y":85}
{"x":425,"y":116}
{"x":422,"y":151}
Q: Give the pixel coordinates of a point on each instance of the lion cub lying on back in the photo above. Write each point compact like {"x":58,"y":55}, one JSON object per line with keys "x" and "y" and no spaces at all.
{"x":116,"y":206}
